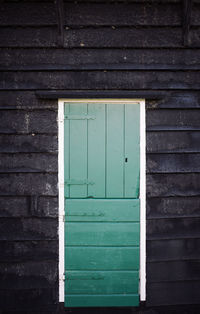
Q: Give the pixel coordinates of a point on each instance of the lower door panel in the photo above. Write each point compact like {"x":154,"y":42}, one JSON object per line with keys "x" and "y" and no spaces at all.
{"x":101,"y":252}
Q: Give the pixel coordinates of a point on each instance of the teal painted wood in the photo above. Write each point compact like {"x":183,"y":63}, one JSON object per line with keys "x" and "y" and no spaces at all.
{"x":100,"y":258}
{"x":102,"y":206}
{"x":101,"y":282}
{"x":67,"y":150}
{"x":97,"y":233}
{"x":102,"y":150}
{"x":132,"y":150}
{"x":78,"y":150}
{"x":101,"y":300}
{"x":115,"y":151}
{"x":96,"y":150}
{"x":102,"y":210}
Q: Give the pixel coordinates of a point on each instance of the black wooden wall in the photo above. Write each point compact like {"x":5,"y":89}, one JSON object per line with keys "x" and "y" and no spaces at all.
{"x":125,"y":46}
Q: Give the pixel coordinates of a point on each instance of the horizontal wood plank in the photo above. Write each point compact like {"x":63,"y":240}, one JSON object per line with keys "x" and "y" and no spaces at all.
{"x":173,"y":142}
{"x":126,"y":14}
{"x":103,"y":234}
{"x":169,"y":207}
{"x":100,"y":80}
{"x":25,"y":162}
{"x":162,"y":185}
{"x":173,"y":271}
{"x":28,"y":13}
{"x":18,"y":229}
{"x":26,"y":299}
{"x":101,"y":282}
{"x":173,"y":120}
{"x":22,"y":206}
{"x":154,"y":98}
{"x":103,"y":210}
{"x":43,"y":13}
{"x":173,"y":163}
{"x":110,"y":258}
{"x":173,"y":228}
{"x":28,"y":143}
{"x":115,"y":300}
{"x":24,"y":100}
{"x":173,"y":249}
{"x":98,"y":59}
{"x":19,"y":121}
{"x":173,"y":100}
{"x":95,"y":14}
{"x":28,"y":184}
{"x":28,"y":275}
{"x":103,"y":37}
{"x":22,"y":251}
{"x":169,"y":293}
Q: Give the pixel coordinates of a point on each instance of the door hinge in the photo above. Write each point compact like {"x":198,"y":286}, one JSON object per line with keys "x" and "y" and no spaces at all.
{"x":79,"y":117}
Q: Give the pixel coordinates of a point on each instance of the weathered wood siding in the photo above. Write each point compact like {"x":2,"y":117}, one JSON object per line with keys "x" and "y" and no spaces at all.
{"x":128,"y":46}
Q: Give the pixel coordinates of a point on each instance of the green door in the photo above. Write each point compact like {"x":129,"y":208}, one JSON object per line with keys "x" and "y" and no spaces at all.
{"x":102,"y":164}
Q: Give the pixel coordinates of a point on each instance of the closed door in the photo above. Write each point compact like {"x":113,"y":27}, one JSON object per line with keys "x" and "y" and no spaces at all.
{"x":102,"y":174}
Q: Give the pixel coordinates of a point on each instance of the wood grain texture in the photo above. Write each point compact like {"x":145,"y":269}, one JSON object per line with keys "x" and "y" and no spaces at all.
{"x":45,"y":299}
{"x":173,"y":250}
{"x":92,"y":14}
{"x":28,"y":143}
{"x":182,"y":228}
{"x":161,"y":293}
{"x":173,"y":163}
{"x":20,"y":206}
{"x":159,"y":120}
{"x":113,"y":80}
{"x":173,"y":142}
{"x":161,"y":185}
{"x":98,"y":59}
{"x":173,"y":271}
{"x":102,"y":37}
{"x":18,"y":121}
{"x":22,"y":251}
{"x":36,"y":275}
{"x":19,"y":229}
{"x":173,"y":207}
{"x":24,"y":100}
{"x":25,"y":162}
{"x":28,"y":184}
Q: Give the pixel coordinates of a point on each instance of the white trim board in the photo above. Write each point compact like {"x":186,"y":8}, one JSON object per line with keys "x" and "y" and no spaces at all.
{"x":142,"y":189}
{"x":142,"y":201}
{"x":61,"y":199}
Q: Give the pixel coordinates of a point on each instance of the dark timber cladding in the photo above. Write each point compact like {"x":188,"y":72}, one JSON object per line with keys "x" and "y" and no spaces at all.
{"x":142,"y":48}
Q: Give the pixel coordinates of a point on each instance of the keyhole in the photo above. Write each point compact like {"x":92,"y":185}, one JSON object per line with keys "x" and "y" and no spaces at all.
{"x":126,"y":159}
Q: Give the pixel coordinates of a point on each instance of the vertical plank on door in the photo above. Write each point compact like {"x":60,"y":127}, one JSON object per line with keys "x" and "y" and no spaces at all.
{"x":115,"y":150}
{"x":66,"y":148}
{"x":96,"y":150}
{"x":78,"y":150}
{"x":132,"y":150}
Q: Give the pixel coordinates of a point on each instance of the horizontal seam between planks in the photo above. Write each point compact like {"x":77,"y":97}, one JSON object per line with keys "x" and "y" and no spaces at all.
{"x":172,"y":281}
{"x":175,"y":260}
{"x":174,"y":238}
{"x":170,"y":217}
{"x":104,"y":67}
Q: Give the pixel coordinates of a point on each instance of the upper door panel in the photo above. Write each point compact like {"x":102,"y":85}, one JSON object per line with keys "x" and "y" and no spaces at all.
{"x":102,"y":150}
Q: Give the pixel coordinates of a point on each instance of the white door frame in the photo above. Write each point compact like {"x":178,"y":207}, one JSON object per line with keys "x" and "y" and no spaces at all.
{"x":61,"y":213}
